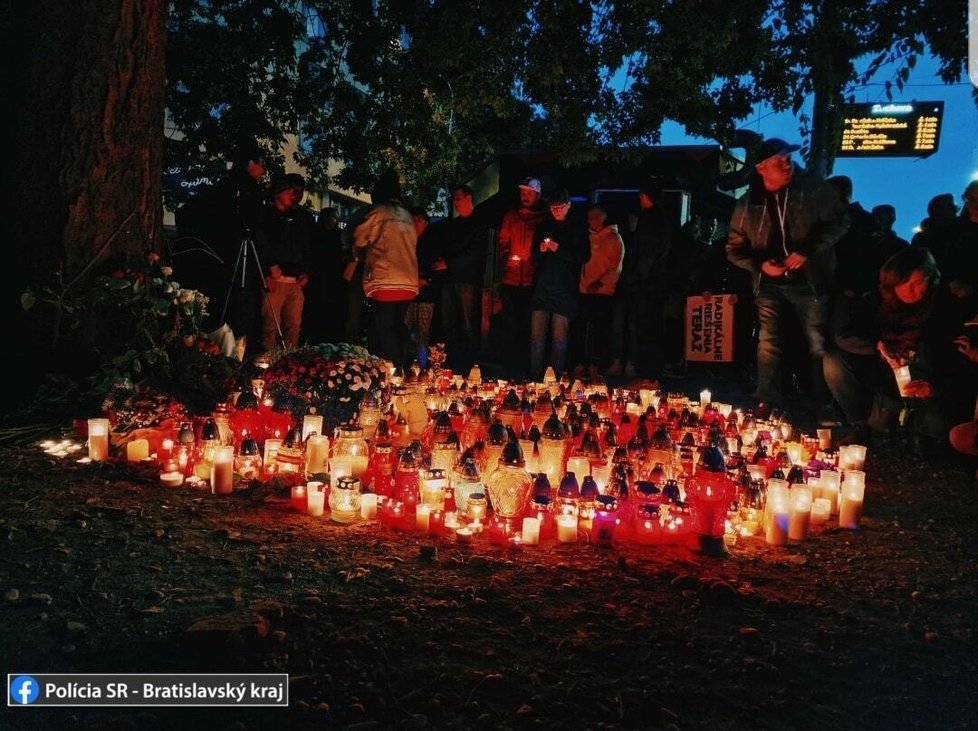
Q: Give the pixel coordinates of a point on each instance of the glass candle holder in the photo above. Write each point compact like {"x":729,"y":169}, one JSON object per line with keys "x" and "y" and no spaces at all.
{"x":344,"y":500}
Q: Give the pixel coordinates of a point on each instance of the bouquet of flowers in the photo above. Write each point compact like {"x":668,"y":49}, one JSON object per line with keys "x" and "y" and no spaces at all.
{"x":331,"y":378}
{"x":145,"y":407}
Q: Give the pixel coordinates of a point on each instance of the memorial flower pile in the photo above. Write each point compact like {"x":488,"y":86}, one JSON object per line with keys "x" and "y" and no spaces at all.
{"x":330,"y":378}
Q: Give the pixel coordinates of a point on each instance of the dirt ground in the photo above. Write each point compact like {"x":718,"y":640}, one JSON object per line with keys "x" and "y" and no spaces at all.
{"x":106,"y":571}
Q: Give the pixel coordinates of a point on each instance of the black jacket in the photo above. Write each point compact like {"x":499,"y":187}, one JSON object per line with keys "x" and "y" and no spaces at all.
{"x":557,"y":273}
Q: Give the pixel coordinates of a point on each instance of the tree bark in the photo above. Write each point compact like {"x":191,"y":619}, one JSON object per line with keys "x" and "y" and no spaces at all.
{"x":87,"y":155}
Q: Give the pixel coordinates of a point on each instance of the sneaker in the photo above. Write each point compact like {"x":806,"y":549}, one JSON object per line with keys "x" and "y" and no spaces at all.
{"x":614,"y":369}
{"x":629,"y":369}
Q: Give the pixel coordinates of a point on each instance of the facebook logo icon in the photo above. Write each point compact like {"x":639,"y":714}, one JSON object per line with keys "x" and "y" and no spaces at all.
{"x":24,"y":690}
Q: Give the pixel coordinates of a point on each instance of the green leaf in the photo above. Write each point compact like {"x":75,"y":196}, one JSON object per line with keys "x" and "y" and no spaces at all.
{"x":27,"y":300}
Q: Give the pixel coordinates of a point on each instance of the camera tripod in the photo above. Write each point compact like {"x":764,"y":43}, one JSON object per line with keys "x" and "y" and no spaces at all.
{"x":247,"y":251}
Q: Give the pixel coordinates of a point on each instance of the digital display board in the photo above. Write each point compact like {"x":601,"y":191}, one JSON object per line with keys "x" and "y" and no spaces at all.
{"x":891,"y":129}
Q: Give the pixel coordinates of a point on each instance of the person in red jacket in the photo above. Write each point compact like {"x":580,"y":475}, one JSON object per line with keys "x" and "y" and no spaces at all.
{"x":515,"y":250}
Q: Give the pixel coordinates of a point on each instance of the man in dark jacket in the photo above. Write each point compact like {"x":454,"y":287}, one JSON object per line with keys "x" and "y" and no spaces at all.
{"x":643,"y":285}
{"x":784,"y":231}
{"x":463,"y":246}
{"x":283,"y":236}
{"x":560,"y":248}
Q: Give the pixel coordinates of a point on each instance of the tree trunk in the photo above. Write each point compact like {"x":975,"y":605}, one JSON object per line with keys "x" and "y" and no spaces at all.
{"x":87,"y":148}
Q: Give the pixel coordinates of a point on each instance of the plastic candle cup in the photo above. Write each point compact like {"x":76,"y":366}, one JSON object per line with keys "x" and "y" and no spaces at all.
{"x":315,"y":503}
{"x":317,"y":454}
{"x":422,"y":516}
{"x":800,"y":515}
{"x":222,"y":470}
{"x":821,"y":510}
{"x":299,"y":498}
{"x":98,"y":439}
{"x":531,"y":531}
{"x":311,"y":423}
{"x":831,"y":480}
{"x":851,"y":505}
{"x":368,"y":506}
{"x":567,"y":528}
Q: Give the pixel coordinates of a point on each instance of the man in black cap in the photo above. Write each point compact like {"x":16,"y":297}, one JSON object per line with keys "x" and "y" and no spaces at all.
{"x":284,"y":234}
{"x":784,"y":231}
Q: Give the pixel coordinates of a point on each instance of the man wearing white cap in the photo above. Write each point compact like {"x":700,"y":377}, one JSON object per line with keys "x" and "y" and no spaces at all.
{"x":515,"y":251}
{"x":784,"y":231}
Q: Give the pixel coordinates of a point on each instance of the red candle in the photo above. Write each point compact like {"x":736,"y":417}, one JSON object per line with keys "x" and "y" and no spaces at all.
{"x":436,"y":522}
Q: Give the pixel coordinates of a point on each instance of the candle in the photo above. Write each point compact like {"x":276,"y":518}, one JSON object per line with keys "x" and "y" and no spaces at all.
{"x":271,"y":451}
{"x":851,"y":505}
{"x":368,"y":506}
{"x":137,"y":450}
{"x":821,"y":510}
{"x":222,"y":470}
{"x":436,"y":522}
{"x":299,"y":498}
{"x":824,"y":438}
{"x":801,"y":512}
{"x":315,"y":502}
{"x":317,"y":454}
{"x":831,"y":480}
{"x":451,"y":522}
{"x":171,"y":479}
{"x":777,"y":514}
{"x":531,"y":531}
{"x":580,"y":466}
{"x":475,"y":509}
{"x":464,"y":535}
{"x":705,"y":397}
{"x":567,"y":528}
{"x":311,"y":423}
{"x":852,"y":457}
{"x":422,"y":517}
{"x":98,"y":439}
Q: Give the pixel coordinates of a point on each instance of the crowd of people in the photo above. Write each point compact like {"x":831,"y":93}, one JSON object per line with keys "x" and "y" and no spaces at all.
{"x":828,"y":298}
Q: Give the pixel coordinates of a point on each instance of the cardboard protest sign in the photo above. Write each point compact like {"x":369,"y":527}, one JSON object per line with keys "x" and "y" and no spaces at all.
{"x":709,"y":328}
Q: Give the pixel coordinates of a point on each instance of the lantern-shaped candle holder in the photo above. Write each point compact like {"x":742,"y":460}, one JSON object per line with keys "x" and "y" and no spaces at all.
{"x":344,"y":500}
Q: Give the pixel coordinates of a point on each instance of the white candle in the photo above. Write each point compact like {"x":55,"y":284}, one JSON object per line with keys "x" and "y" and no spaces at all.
{"x":422,"y":518}
{"x":311,"y":423}
{"x":368,"y":506}
{"x":831,"y":480}
{"x":98,"y":439}
{"x":801,"y":513}
{"x":567,"y":528}
{"x":171,"y":479}
{"x":317,"y":454}
{"x":531,"y":531}
{"x":824,"y":438}
{"x":851,"y":506}
{"x":222,"y":471}
{"x":137,"y":450}
{"x":705,"y":397}
{"x":821,"y":510}
{"x":315,"y":502}
{"x":271,"y":452}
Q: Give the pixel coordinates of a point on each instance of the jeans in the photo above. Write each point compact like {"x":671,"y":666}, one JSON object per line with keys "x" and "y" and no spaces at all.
{"x":282,"y":309}
{"x":861,"y":382}
{"x":773,"y":301}
{"x":540,"y":320}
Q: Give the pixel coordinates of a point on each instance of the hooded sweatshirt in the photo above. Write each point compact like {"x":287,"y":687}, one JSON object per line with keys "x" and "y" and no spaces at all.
{"x":604,"y":266}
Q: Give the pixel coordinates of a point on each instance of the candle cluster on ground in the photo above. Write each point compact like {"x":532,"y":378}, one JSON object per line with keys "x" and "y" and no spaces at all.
{"x":521,"y":464}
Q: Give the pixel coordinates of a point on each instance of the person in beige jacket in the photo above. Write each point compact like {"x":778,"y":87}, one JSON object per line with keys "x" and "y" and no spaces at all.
{"x":599,"y":278}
